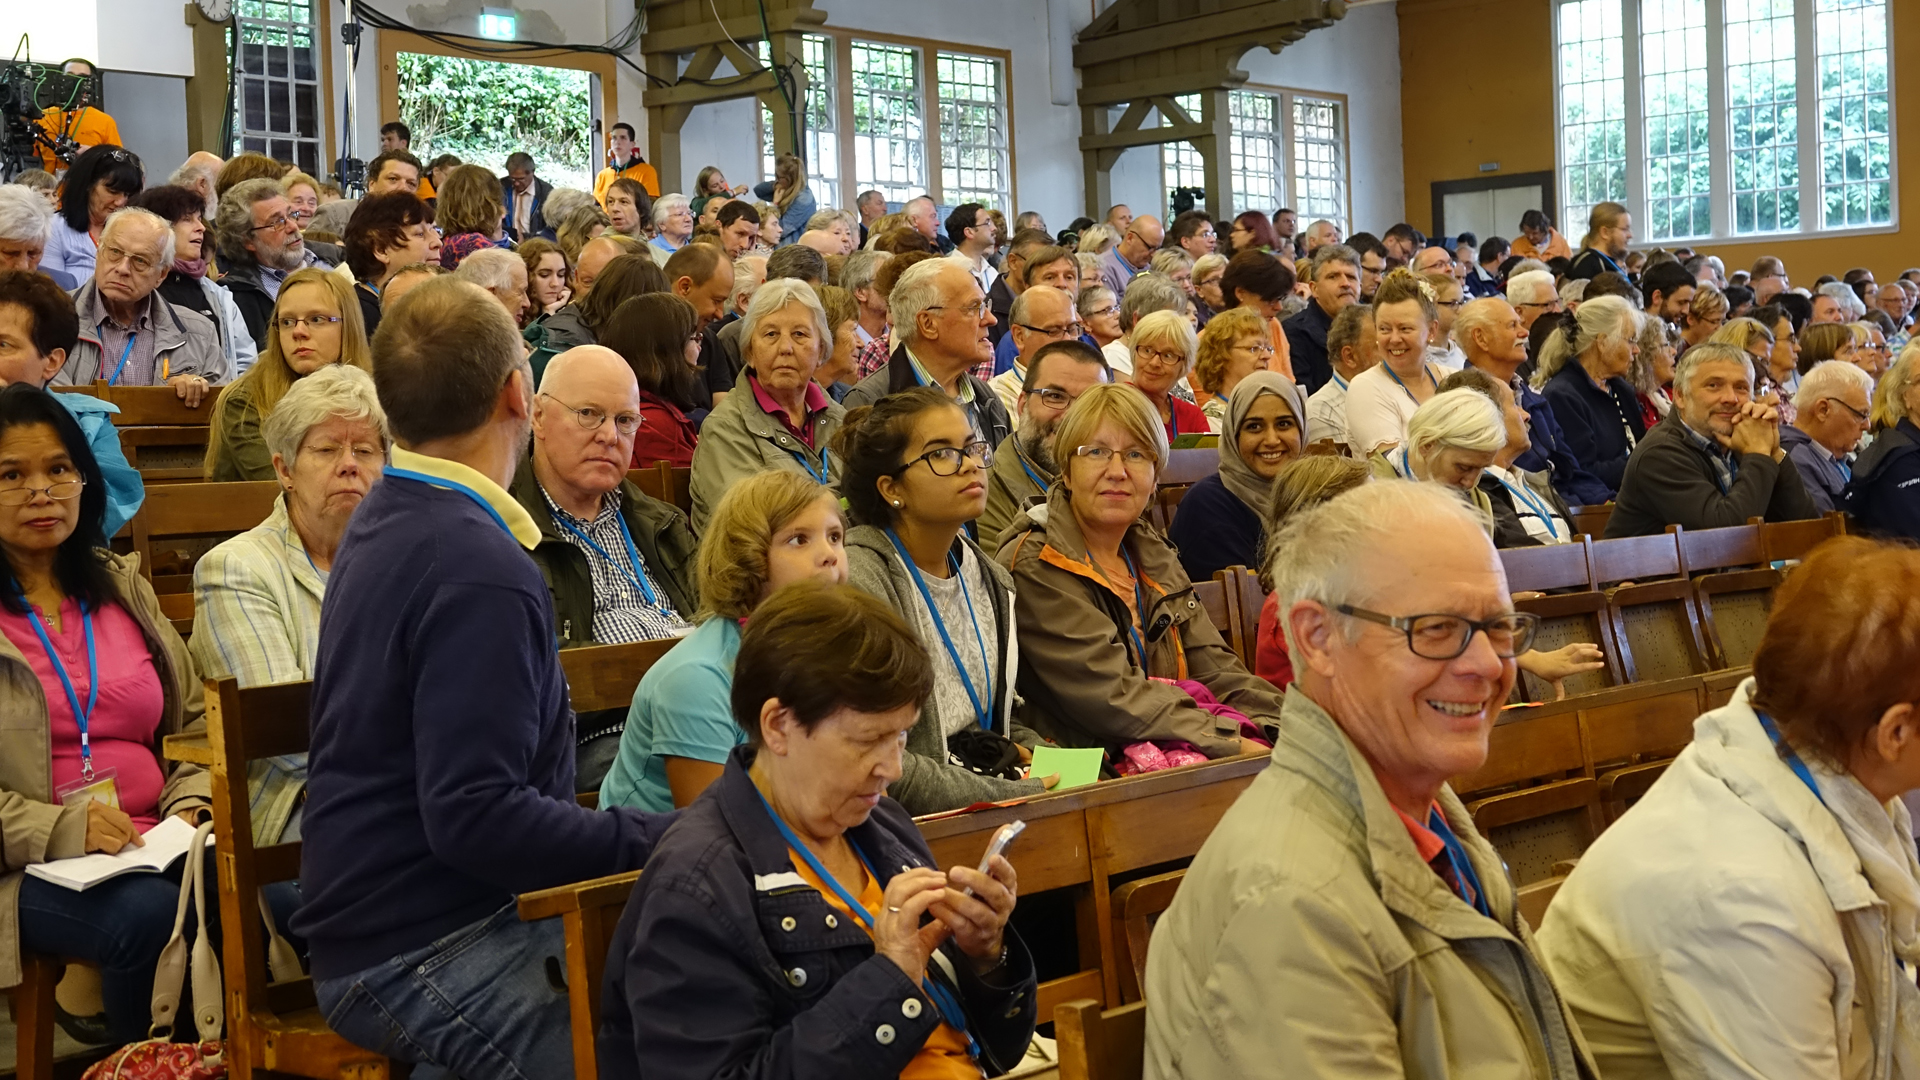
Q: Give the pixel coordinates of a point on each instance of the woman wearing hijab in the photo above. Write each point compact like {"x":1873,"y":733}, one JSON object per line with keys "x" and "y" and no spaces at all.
{"x":1218,"y":523}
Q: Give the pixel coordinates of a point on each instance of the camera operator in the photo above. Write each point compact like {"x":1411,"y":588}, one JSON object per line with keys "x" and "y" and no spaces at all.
{"x":85,"y":125}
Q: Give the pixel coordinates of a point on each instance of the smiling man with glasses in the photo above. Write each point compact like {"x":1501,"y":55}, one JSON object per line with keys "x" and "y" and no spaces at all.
{"x":943,"y":319}
{"x":260,"y":244}
{"x":129,"y":334}
{"x":1384,"y":915}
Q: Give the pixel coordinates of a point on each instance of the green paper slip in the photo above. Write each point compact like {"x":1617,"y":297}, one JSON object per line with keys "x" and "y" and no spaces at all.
{"x":1077,"y":768}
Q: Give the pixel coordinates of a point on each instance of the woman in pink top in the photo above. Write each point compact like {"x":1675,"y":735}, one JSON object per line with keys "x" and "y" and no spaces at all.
{"x":95,"y":678}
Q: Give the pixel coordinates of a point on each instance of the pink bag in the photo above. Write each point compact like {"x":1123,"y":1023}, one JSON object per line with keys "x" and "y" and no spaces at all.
{"x":1153,"y":756}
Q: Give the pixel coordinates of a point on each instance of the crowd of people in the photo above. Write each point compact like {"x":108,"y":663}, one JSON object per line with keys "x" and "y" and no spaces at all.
{"x":922,"y":452}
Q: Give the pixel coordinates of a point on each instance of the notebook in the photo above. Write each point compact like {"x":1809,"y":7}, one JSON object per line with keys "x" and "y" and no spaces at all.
{"x":166,"y":843}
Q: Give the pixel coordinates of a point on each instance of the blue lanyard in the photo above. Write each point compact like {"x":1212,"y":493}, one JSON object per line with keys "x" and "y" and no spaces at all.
{"x":1338,"y":381}
{"x":821,"y":474}
{"x":80,"y":717}
{"x":1788,"y":755}
{"x":944,"y":1001}
{"x":1028,"y":469}
{"x":981,"y":710}
{"x":452,"y":485}
{"x":1406,"y":467}
{"x":1173,"y":418}
{"x":635,"y":574}
{"x":1462,"y":866}
{"x":1403,"y":386}
{"x":1533,"y":503}
{"x":124,"y":353}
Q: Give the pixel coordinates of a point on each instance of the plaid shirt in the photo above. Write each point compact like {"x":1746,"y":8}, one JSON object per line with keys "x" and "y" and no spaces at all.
{"x":1726,"y":467}
{"x":621,"y":612}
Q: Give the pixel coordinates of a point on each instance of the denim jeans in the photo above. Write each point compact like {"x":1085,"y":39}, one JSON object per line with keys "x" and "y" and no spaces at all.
{"x":478,"y":1002}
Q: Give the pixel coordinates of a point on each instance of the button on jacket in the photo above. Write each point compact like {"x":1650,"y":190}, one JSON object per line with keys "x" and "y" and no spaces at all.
{"x":727,"y":963}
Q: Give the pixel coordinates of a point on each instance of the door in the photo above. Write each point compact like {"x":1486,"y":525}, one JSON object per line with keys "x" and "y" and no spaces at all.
{"x":1489,"y":206}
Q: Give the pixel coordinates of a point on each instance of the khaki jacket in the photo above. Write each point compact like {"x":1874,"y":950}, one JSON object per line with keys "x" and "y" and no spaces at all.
{"x":1082,"y":682}
{"x":740,"y":439}
{"x":33,"y":827}
{"x":1011,"y":488}
{"x":1310,"y":940}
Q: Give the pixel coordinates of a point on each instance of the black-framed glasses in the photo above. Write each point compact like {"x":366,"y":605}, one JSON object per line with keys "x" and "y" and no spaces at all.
{"x":277,"y":223}
{"x":1857,"y":414}
{"x":590,"y":418}
{"x":60,"y":492}
{"x":1551,"y":305}
{"x":945,"y":460}
{"x":1071,"y":330}
{"x":1443,"y":637}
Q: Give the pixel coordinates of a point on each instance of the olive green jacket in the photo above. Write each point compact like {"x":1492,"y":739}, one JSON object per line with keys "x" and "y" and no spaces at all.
{"x":235,"y":448}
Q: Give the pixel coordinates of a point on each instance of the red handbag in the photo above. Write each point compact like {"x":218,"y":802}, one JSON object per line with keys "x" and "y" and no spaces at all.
{"x":158,"y":1057}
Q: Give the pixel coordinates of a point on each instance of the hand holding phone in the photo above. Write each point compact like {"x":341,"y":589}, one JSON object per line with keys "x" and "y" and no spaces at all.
{"x":1002,"y":837}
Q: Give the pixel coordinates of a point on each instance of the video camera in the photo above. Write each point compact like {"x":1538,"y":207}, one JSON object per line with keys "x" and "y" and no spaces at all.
{"x":27,"y":90}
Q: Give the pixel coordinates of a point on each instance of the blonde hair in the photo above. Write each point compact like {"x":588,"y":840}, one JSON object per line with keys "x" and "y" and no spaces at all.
{"x":1124,"y":406}
{"x":1097,"y":238}
{"x":469,"y":202}
{"x":1888,"y":407}
{"x":573,"y":233}
{"x":731,"y":566}
{"x":1303,"y":483}
{"x":1742,"y":332}
{"x":1216,"y":343}
{"x":1598,"y":318}
{"x":270,"y":377}
{"x":1169,"y":329}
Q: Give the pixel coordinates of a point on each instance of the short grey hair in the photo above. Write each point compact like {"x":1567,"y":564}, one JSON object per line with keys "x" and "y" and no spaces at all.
{"x":1092,"y":298}
{"x":188,"y":172}
{"x":1460,"y":419}
{"x":1850,"y":304}
{"x":233,"y":221}
{"x":1333,"y":253}
{"x":917,"y":290}
{"x":337,"y":391}
{"x":667,"y":204}
{"x":777,"y":294}
{"x":1166,"y":260}
{"x":861,"y":268}
{"x":1316,"y":555}
{"x":1207,"y":264}
{"x":1148,"y":293}
{"x":491,"y":269}
{"x":25,"y":217}
{"x":563,"y":201}
{"x":1827,"y":379}
{"x":1691,"y":360}
{"x":1528,"y":287}
{"x":134,"y":215}
{"x":825,"y":219}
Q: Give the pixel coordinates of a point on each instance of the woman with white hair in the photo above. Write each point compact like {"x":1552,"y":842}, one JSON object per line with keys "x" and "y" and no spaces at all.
{"x":776,"y":417}
{"x":1450,"y":440}
{"x":1582,"y":372}
{"x":1884,"y":494}
{"x":502,"y":273}
{"x":672,"y":225}
{"x":256,"y":597}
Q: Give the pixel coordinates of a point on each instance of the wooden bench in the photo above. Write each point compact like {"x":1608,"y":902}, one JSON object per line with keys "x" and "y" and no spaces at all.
{"x":1571,"y":611}
{"x":664,"y":482}
{"x":605,"y":676}
{"x":33,"y":1016}
{"x":1101,"y":1044}
{"x":1246,"y":599}
{"x":1185,"y":468}
{"x":589,"y":912}
{"x":200,"y":515}
{"x":1650,"y":604}
{"x":162,"y":438}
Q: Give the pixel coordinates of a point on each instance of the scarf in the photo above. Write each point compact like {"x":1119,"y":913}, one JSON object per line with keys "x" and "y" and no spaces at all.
{"x":1882,"y":838}
{"x":193,"y":268}
{"x":1239,"y":477}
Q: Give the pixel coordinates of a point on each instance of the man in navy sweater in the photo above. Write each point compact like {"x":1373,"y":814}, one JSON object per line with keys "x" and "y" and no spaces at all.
{"x":441,"y":771}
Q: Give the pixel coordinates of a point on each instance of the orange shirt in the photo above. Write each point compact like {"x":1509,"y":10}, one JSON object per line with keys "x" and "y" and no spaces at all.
{"x":425,"y":190}
{"x":91,"y":128}
{"x":1282,"y":359}
{"x":945,"y":1056}
{"x":1556,"y":247}
{"x":639,"y":170}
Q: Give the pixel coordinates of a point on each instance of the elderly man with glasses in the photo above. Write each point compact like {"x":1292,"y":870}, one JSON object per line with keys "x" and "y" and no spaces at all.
{"x":617,"y":563}
{"x":129,"y":334}
{"x":942,"y":318}
{"x":1345,"y":916}
{"x":1041,"y":316}
{"x":260,"y":244}
{"x":1119,"y":263}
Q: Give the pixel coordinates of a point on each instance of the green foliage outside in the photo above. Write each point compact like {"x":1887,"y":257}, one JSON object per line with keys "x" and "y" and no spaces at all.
{"x":481,"y":111}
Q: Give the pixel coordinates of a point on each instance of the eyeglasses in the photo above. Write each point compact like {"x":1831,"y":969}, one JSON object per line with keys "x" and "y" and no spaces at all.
{"x":1857,"y":414}
{"x":1455,"y":304}
{"x":277,"y":223}
{"x":1053,"y":399}
{"x":1165,"y":358}
{"x":945,"y":460}
{"x":1099,"y":313}
{"x":112,"y":255}
{"x":316,"y":321}
{"x":1136,"y":460}
{"x":1443,"y":637}
{"x":590,"y":418}
{"x":1551,"y":305}
{"x":971,"y":311}
{"x":1258,"y":348}
{"x":363,"y":454}
{"x":21,"y":496}
{"x":1071,"y":330}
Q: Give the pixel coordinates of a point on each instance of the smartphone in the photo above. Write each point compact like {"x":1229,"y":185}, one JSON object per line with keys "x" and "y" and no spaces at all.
{"x":1002,"y":837}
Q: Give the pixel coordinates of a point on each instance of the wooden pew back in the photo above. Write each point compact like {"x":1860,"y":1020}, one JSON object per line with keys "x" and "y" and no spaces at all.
{"x":605,"y":676}
{"x":177,"y":523}
{"x":589,"y":913}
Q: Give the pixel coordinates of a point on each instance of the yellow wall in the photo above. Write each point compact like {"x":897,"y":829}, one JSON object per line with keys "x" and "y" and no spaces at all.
{"x":1477,"y":86}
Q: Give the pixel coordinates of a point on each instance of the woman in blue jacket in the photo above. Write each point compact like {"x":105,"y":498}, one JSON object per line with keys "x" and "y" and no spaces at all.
{"x":1884,"y":496}
{"x":788,"y":193}
{"x":1582,"y":372}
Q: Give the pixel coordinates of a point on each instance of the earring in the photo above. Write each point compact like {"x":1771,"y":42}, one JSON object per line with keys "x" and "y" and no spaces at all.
{"x":896,"y":502}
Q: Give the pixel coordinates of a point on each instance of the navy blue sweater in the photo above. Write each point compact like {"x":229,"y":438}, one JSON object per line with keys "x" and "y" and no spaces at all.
{"x":1214,"y":530}
{"x":441,"y":772}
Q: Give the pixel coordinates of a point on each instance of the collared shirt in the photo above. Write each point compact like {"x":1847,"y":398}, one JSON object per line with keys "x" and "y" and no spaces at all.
{"x":139,"y":369}
{"x":519,"y":523}
{"x":984,"y":275}
{"x":620,"y":609}
{"x":1726,"y":468}
{"x":1433,"y":851}
{"x":523,"y":211}
{"x":965,"y":396}
{"x":271,"y":279}
{"x":817,"y":400}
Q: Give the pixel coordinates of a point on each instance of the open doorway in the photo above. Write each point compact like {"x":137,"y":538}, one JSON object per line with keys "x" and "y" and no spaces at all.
{"x":482,"y":110}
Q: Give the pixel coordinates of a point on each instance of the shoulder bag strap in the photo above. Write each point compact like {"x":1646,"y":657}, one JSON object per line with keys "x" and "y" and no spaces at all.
{"x":171,"y":970}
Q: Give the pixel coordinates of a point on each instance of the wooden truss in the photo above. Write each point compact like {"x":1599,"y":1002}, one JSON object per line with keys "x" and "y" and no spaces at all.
{"x":1142,"y":54}
{"x":676,"y":28}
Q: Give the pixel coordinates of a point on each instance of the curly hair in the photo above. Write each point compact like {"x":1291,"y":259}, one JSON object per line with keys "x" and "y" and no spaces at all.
{"x":470,"y":202}
{"x":731,"y":566}
{"x":1216,"y":344}
{"x":871,"y":443}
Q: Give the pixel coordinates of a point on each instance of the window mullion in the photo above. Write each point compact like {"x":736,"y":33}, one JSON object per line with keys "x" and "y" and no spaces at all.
{"x":1635,"y":194}
{"x":1807,"y":73}
{"x":1718,"y":169}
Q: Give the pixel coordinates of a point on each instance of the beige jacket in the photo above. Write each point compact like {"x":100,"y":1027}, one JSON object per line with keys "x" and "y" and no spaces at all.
{"x":1728,"y":926}
{"x":33,"y":827}
{"x":1310,"y":940}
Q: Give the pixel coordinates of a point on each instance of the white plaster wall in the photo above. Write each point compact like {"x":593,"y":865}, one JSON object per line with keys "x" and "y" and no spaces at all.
{"x":151,"y":112}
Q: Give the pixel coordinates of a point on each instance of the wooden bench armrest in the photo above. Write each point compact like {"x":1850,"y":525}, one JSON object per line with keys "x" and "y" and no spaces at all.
{"x":550,"y":903}
{"x":192,"y":748}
